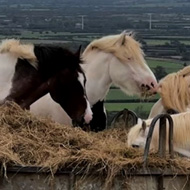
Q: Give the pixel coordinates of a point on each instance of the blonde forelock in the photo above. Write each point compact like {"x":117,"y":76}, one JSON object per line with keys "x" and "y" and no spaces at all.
{"x":111,"y":44}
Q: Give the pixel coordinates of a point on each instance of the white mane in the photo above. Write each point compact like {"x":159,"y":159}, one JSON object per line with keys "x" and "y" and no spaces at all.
{"x":22,"y":51}
{"x":122,"y":46}
{"x":174,"y":92}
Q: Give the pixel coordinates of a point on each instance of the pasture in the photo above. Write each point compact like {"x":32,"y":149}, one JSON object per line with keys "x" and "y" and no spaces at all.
{"x":169,"y":65}
{"x":164,"y":41}
{"x":145,"y":107}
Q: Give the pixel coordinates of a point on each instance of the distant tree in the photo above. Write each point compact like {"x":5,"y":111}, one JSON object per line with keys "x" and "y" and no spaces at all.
{"x":185,"y":56}
{"x":167,"y":44}
{"x":160,"y":72}
{"x":175,"y":42}
{"x":182,"y":48}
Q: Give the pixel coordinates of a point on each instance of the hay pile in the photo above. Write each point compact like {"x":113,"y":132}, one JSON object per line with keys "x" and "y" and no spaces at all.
{"x":29,"y":141}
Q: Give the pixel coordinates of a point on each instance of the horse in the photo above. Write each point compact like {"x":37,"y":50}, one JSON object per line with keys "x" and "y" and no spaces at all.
{"x":181,"y":134}
{"x":175,"y":93}
{"x":114,"y":59}
{"x":28,"y":72}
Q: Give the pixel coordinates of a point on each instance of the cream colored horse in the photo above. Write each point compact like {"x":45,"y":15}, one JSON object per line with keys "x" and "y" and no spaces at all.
{"x":181,"y":140}
{"x":116,"y":59}
{"x":175,"y":93}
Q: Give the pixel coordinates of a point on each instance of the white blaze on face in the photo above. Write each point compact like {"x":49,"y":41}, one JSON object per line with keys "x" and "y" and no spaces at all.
{"x":137,"y":135}
{"x":133,"y":78}
{"x":88,"y":113}
{"x":81,"y":79}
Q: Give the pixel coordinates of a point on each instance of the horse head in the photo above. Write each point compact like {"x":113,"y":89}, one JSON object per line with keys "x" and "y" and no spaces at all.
{"x":67,"y":88}
{"x":137,"y":135}
{"x":129,"y":70}
{"x":122,"y":58}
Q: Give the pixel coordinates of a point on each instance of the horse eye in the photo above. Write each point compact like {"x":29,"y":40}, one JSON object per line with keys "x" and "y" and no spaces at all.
{"x":129,"y":58}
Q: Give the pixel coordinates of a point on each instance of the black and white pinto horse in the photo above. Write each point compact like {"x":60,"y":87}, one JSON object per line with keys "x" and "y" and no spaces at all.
{"x":115,"y":59}
{"x":28,"y":72}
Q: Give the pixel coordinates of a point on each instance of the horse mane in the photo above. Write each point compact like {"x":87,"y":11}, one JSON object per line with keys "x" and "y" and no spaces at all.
{"x":42,"y":56}
{"x":123,"y":46}
{"x":55,"y":58}
{"x":174,"y":90}
{"x":23,"y":51}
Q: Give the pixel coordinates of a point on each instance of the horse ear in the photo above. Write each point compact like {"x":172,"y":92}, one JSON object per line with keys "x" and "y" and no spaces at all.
{"x":78,"y":52}
{"x":130,"y":33}
{"x":122,"y":38}
{"x":143,"y":126}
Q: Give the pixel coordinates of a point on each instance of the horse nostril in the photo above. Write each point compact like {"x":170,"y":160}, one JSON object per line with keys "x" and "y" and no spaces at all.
{"x":147,"y":87}
{"x":135,"y":146}
{"x":152,"y":84}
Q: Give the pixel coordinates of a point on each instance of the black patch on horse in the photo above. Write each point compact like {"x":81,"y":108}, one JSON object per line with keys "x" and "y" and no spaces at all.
{"x":52,"y":59}
{"x":99,"y":120}
{"x":172,"y":111}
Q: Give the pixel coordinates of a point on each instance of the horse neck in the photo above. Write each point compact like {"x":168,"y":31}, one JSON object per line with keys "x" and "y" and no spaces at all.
{"x":96,"y":68}
{"x":156,"y":109}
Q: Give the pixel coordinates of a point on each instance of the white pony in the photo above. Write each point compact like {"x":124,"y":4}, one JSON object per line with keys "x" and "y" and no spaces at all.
{"x":181,"y":137}
{"x":115,"y":59}
{"x":175,"y":93}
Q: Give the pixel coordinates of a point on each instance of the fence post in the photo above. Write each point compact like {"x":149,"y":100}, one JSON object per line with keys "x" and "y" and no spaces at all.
{"x":126,"y":113}
{"x":162,"y":137}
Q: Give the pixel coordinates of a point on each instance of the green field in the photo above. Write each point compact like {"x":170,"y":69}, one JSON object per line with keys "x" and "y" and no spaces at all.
{"x":115,"y":94}
{"x":163,"y":42}
{"x":170,"y":66}
{"x":156,"y":42}
{"x":132,"y":106}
